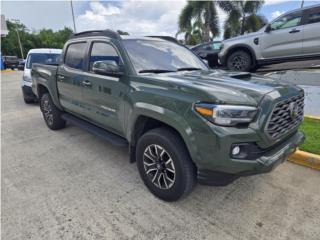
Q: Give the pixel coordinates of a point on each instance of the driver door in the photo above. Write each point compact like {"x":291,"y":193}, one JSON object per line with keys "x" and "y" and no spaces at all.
{"x":284,"y":38}
{"x":103,"y":95}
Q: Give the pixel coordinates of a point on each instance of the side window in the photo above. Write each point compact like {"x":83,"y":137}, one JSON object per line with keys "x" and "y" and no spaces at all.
{"x":103,"y":51}
{"x":288,"y":21}
{"x":75,"y":55}
{"x":216,"y":46}
{"x":313,"y":16}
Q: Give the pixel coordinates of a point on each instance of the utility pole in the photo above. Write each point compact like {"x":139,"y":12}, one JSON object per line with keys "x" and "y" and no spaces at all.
{"x":302,"y":3}
{"x":20,"y":44}
{"x":16,"y":21}
{"x":74,"y":23}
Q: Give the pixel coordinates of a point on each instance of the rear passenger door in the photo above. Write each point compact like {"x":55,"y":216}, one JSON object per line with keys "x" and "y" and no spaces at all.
{"x":70,"y":75}
{"x":311,"y":32}
{"x":103,"y":97}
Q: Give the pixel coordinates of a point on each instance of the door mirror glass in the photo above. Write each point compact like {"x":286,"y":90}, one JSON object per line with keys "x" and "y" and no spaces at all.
{"x":106,"y":67}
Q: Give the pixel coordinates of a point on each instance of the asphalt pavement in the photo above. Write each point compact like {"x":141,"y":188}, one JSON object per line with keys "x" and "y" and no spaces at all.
{"x":309,"y":80}
{"x":69,"y":184}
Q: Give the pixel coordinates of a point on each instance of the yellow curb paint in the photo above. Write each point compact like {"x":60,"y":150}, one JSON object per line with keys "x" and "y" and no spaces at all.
{"x":312,"y":117}
{"x":306,"y":159}
{"x":7,"y":70}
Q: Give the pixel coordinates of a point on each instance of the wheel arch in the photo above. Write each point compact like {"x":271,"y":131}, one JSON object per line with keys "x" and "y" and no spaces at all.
{"x":42,"y":89}
{"x":242,"y":47}
{"x":147,"y":120}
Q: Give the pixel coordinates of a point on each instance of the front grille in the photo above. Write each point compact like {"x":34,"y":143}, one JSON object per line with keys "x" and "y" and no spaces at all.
{"x":285,"y":116}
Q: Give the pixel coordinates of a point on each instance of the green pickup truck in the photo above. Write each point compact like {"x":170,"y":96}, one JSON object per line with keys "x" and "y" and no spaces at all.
{"x":182,"y":122}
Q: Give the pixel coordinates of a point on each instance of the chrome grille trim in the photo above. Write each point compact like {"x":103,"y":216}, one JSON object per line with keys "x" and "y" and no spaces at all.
{"x":281,"y":120}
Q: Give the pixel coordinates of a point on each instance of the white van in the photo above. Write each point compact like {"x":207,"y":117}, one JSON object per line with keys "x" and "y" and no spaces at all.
{"x":39,"y":55}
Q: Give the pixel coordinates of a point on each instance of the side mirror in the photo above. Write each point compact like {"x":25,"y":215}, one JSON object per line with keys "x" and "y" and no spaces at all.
{"x":268,"y":28}
{"x":107,"y":67}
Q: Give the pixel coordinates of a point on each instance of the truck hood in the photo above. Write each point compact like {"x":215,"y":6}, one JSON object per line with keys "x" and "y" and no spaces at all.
{"x":221,"y":86}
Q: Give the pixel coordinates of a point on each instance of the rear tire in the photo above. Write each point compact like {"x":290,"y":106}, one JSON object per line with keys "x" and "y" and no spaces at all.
{"x":164,"y":164}
{"x":240,"y":61}
{"x":51,"y":114}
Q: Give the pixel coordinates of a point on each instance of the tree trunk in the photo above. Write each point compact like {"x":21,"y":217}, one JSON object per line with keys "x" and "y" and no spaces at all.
{"x":242,"y":24}
{"x":206,"y":33}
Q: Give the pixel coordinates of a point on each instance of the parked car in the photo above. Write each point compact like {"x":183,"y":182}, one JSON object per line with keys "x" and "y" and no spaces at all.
{"x":40,"y":55}
{"x":10,"y":62}
{"x":292,"y":36}
{"x":208,"y":51}
{"x":181,"y":121}
{"x":21,"y":64}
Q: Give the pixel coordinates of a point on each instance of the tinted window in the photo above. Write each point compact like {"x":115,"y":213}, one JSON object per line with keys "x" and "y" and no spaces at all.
{"x":103,"y":51}
{"x":75,"y":55}
{"x":163,"y":55}
{"x":313,"y":17}
{"x":45,"y":58}
{"x":288,"y":21}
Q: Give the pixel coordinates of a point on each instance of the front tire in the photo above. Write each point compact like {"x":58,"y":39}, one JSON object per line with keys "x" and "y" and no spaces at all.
{"x":164,"y":164}
{"x":240,"y":61}
{"x":51,"y":114}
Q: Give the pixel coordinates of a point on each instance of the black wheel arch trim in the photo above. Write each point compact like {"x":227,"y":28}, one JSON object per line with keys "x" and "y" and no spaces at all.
{"x":236,"y":47}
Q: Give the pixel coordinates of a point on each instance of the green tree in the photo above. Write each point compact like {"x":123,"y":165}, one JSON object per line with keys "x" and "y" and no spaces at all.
{"x":45,"y":38}
{"x":243,"y":17}
{"x":202,"y":14}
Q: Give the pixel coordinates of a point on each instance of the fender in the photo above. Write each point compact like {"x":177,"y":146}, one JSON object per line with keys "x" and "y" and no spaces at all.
{"x":168,"y":117}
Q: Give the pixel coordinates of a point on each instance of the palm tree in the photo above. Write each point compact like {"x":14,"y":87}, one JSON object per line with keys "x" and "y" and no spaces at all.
{"x":243,"y":18}
{"x":202,"y":14}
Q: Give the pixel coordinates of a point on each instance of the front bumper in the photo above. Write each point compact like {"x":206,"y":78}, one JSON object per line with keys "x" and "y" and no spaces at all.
{"x":263,"y":164}
{"x":28,"y":93}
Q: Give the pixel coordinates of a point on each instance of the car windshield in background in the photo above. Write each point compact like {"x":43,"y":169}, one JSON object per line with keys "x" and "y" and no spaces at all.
{"x":45,"y":58}
{"x":161,"y":56}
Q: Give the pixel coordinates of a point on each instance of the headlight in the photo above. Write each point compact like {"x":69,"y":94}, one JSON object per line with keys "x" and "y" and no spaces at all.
{"x":226,"y":115}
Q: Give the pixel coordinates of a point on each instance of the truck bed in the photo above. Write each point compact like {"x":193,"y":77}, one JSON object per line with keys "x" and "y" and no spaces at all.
{"x":45,"y":75}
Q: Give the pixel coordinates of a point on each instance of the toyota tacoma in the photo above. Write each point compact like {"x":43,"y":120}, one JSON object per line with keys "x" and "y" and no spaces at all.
{"x":182,"y":122}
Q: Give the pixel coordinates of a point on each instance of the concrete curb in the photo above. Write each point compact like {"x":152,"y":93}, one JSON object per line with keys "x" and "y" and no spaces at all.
{"x":305,"y":159}
{"x":312,"y":117}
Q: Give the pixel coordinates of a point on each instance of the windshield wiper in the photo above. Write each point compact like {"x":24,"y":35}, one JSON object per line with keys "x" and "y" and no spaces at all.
{"x":188,"y":69}
{"x":155,"y":71}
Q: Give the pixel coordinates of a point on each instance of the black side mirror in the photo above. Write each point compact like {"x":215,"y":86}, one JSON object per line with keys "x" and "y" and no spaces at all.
{"x":107,"y":67}
{"x":268,"y":28}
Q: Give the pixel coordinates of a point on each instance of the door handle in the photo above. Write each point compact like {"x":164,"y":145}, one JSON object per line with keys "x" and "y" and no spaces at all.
{"x":86,"y":83}
{"x":61,"y":78}
{"x":294,"y":31}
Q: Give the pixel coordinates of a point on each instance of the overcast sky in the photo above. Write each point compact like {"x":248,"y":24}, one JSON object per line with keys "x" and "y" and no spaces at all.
{"x":135,"y":17}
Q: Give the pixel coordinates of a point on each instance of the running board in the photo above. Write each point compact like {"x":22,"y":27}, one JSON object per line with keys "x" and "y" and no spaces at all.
{"x":99,"y":132}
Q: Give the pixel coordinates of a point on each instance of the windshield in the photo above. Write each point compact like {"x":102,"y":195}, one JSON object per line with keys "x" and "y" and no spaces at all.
{"x":45,"y":58}
{"x":161,"y":56}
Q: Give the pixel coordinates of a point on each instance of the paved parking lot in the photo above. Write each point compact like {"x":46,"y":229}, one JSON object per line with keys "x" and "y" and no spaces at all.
{"x":69,"y":184}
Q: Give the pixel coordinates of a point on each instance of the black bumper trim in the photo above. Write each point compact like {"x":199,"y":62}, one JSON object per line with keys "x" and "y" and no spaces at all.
{"x":28,"y":93}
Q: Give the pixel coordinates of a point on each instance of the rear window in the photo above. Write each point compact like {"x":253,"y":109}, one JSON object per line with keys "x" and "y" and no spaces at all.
{"x":75,"y":55}
{"x":44,"y":58}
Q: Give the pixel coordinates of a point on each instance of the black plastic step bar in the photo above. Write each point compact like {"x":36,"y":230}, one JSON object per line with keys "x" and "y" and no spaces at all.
{"x":95,"y":130}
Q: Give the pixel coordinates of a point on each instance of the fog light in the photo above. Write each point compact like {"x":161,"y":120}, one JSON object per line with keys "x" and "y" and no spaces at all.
{"x":235,"y":150}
